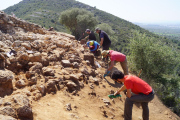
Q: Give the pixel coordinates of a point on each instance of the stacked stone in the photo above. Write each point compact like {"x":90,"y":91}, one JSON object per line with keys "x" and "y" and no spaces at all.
{"x":8,"y":23}
{"x":32,"y":68}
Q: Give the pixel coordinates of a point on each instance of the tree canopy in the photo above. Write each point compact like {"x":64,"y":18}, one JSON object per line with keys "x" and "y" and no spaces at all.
{"x":77,"y":21}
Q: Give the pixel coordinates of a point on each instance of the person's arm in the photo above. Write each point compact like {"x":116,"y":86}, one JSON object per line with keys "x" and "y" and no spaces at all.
{"x":128,"y":94}
{"x":111,"y":66}
{"x":88,"y":44}
{"x":121,"y":89}
{"x":102,"y":39}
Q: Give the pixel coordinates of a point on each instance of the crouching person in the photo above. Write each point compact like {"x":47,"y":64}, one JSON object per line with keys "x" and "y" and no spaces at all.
{"x":93,"y":46}
{"x":142,"y":90}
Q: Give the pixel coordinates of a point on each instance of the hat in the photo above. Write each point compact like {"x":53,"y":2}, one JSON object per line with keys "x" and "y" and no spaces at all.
{"x":97,"y":29}
{"x":91,"y":43}
{"x":104,"y":53}
{"x":87,"y":30}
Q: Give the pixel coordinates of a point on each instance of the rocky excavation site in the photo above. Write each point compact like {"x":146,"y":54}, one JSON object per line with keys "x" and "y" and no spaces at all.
{"x":48,"y":75}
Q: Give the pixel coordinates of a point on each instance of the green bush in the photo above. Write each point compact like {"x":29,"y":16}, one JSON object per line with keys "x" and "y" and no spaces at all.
{"x":151,"y":55}
{"x":160,"y":67}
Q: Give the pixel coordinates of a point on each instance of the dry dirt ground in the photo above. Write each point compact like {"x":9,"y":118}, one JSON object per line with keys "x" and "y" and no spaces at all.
{"x":88,"y":104}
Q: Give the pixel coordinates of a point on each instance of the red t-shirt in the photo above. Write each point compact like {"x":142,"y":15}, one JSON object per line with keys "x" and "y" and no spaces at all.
{"x":117,"y":56}
{"x":137,"y":85}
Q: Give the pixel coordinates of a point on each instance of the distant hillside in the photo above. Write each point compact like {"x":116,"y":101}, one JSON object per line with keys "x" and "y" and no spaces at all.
{"x":46,"y":13}
{"x":171,"y":31}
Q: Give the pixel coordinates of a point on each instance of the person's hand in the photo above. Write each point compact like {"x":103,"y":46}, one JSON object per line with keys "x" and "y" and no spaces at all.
{"x":116,"y":93}
{"x":106,"y":72}
{"x":101,"y":47}
{"x":86,"y":37}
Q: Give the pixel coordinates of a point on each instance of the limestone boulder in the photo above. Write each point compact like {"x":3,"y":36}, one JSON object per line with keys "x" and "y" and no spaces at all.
{"x":76,"y":65}
{"x":85,"y":71}
{"x":53,"y":46}
{"x":8,"y":43}
{"x":48,"y":71}
{"x":45,"y":61}
{"x":74,"y":77}
{"x":66,"y":63}
{"x":89,"y":57}
{"x":30,"y":74}
{"x":3,"y":45}
{"x":20,"y":83}
{"x":52,"y":57}
{"x":21,"y":99}
{"x":32,"y":81}
{"x":41,"y":88}
{"x":36,"y":66}
{"x":4,"y":117}
{"x":9,"y":111}
{"x":37,"y":57}
{"x":13,"y":59}
{"x":17,"y":43}
{"x":5,"y":76}
{"x":61,"y":44}
{"x":22,"y":106}
{"x":71,"y":86}
{"x":24,"y":112}
{"x":24,"y":57}
{"x":58,"y":53}
{"x":50,"y":86}
{"x":26,"y":45}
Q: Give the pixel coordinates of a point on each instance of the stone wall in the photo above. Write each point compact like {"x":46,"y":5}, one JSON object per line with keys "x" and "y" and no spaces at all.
{"x":8,"y":23}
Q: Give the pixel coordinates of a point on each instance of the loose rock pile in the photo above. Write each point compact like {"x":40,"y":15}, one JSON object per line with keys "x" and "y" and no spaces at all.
{"x":30,"y":57}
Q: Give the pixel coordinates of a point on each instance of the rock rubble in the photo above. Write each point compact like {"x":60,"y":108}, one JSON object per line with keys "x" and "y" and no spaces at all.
{"x":29,"y":59}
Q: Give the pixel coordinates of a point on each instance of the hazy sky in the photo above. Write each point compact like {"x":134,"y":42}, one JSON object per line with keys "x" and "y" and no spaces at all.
{"x":131,"y":10}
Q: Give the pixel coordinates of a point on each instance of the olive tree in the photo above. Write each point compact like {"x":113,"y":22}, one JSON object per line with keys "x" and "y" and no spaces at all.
{"x":152,"y":55}
{"x":160,"y":63}
{"x":77,"y":21}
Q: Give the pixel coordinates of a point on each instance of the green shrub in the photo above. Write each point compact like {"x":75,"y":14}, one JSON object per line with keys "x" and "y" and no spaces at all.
{"x":151,"y":55}
{"x":160,"y":64}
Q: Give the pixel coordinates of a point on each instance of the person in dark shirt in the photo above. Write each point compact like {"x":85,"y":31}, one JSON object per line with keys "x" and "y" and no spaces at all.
{"x":105,"y":42}
{"x":91,"y":35}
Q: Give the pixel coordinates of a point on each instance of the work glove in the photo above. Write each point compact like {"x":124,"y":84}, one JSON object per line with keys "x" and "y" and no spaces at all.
{"x":114,"y":96}
{"x":106,"y":73}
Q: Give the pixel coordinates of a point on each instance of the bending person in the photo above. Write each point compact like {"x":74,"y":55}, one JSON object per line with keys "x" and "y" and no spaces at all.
{"x":142,"y":90}
{"x":115,"y":57}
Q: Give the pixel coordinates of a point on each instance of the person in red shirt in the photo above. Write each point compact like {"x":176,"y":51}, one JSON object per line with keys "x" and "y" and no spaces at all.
{"x":115,"y":56}
{"x":142,"y":90}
